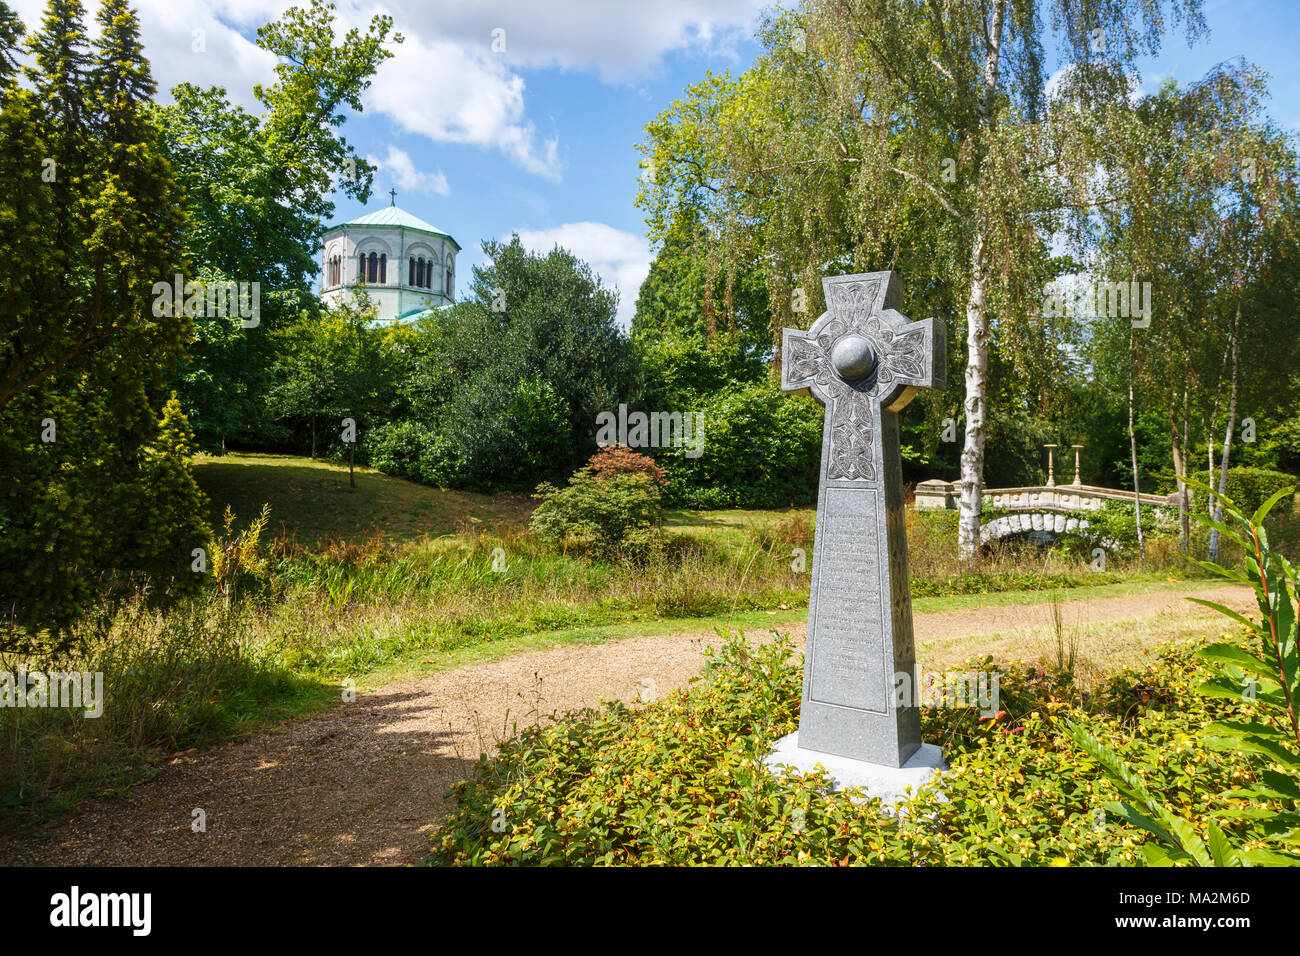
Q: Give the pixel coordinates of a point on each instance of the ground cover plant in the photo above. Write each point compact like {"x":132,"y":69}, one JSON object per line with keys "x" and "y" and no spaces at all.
{"x":681,"y":781}
{"x":1266,"y":675}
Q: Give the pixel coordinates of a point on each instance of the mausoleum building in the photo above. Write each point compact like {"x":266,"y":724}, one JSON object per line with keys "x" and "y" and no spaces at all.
{"x":406,"y":265}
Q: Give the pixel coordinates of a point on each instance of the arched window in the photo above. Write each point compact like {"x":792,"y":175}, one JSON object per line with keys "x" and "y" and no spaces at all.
{"x":372,"y":268}
{"x":335,"y":278}
{"x":383,"y":270}
{"x":419,"y":272}
{"x":450,"y":279}
{"x":410,"y":272}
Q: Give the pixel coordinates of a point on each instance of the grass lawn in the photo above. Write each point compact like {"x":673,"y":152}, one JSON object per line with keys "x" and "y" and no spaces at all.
{"x":312,"y":502}
{"x":729,"y":526}
{"x":1194,"y":622}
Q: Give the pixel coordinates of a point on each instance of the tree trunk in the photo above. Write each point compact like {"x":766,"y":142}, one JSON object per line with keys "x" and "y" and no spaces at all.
{"x":1187,"y":430}
{"x":1209,"y":475}
{"x":1227,"y":439}
{"x":977,"y":326}
{"x":1133,"y":449}
{"x":313,"y":437}
{"x":1180,"y":472}
{"x":972,"y":453}
{"x":1209,"y":428}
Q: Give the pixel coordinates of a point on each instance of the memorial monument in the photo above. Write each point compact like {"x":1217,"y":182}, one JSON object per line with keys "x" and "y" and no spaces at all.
{"x":864,"y":361}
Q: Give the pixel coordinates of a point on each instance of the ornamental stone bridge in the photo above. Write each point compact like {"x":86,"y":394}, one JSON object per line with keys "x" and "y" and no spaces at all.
{"x":1046,"y":509}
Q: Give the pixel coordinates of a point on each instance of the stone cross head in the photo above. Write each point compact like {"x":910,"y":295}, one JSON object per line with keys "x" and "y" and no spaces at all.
{"x":862,"y":352}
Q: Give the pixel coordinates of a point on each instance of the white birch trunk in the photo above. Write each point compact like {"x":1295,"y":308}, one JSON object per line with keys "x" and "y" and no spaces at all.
{"x":1133,"y":450}
{"x":1227,"y":439}
{"x":977,"y":332}
{"x":977,"y":364}
{"x":1180,"y":472}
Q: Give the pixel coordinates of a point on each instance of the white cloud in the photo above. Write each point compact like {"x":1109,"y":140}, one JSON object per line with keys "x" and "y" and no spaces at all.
{"x":455,"y":94}
{"x":402,"y":172}
{"x":620,"y":41}
{"x":621,"y":259}
{"x":192,"y":41}
{"x":445,"y":82}
{"x":170,"y":31}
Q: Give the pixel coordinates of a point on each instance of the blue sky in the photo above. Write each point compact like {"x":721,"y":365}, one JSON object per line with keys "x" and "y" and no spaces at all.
{"x":539,"y":137}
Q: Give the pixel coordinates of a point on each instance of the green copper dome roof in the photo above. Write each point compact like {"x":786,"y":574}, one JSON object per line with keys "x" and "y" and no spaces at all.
{"x":393,"y":216}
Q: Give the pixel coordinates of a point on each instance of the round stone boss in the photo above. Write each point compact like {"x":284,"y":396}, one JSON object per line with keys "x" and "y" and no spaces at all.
{"x":853,"y":358}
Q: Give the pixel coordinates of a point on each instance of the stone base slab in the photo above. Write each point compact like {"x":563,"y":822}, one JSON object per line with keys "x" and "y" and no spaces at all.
{"x":887,"y":783}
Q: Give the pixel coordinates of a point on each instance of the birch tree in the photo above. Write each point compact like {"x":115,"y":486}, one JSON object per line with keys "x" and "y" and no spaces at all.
{"x":916,"y":135}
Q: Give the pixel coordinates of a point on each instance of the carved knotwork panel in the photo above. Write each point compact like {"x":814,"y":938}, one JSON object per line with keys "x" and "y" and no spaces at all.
{"x":851,"y":306}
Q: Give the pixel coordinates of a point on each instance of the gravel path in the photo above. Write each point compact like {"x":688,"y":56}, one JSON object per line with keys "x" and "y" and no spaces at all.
{"x":366,"y":783}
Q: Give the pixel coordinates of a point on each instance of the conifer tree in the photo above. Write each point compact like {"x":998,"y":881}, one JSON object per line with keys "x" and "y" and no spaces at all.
{"x":11,"y":32}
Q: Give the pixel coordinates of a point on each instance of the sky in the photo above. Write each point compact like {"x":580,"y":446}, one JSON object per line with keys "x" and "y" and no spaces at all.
{"x":503,"y":116}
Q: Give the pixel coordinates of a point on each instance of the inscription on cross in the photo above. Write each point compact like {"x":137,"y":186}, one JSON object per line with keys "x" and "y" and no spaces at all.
{"x":864,"y":361}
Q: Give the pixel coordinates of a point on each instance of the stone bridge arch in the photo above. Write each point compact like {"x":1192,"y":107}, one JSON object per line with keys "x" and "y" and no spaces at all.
{"x":1009,"y":526}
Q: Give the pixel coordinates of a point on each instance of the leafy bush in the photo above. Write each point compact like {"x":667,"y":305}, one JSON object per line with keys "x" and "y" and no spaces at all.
{"x":761,"y":449}
{"x":681,"y":781}
{"x":168,"y":507}
{"x":396,"y":447}
{"x":612,"y":507}
{"x":621,"y":460}
{"x":931,"y":527}
{"x":237,"y":557}
{"x":538,"y":417}
{"x":410,"y":449}
{"x":109,"y":506}
{"x":1113,"y":523}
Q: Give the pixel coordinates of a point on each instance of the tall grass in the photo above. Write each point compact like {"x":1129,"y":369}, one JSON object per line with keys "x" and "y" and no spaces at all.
{"x":280,"y":633}
{"x":171,"y":680}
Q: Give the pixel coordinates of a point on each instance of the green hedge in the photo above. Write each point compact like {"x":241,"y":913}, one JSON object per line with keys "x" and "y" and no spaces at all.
{"x":410,"y":449}
{"x":1251,"y":487}
{"x":761,"y":449}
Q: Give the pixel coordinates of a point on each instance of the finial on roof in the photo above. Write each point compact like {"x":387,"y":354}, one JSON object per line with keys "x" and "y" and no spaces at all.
{"x":393,"y":194}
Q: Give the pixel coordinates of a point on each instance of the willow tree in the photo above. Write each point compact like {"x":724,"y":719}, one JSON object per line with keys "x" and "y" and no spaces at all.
{"x":916,"y":135}
{"x":1167,"y":150}
{"x":1205,"y":175}
{"x":1258,"y":216}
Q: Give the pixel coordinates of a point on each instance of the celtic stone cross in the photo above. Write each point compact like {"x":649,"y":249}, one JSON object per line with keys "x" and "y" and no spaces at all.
{"x":864,"y":361}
